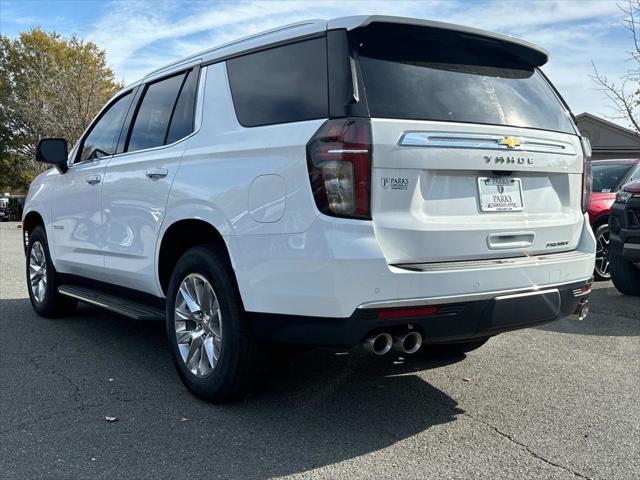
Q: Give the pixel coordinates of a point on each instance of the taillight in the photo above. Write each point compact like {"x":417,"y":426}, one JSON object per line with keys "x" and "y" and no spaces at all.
{"x":339,"y":162}
{"x":587,"y":178}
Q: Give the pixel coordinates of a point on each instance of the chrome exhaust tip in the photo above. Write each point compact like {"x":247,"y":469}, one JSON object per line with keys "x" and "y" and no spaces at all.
{"x":378,"y":343}
{"x":582,"y":310}
{"x":409,"y":342}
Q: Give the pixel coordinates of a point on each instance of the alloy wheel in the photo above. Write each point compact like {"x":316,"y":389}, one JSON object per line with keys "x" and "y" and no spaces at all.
{"x":38,"y":272}
{"x":602,"y":252}
{"x":198,"y":325}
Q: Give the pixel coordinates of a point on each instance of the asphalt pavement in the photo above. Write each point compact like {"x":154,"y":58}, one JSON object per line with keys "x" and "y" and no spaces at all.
{"x":559,"y":402}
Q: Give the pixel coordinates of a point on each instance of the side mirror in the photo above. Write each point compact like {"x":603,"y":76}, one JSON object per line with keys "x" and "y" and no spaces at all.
{"x":53,"y":151}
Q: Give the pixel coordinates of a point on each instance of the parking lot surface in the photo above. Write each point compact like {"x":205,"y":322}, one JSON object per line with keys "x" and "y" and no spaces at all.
{"x":560,"y":401}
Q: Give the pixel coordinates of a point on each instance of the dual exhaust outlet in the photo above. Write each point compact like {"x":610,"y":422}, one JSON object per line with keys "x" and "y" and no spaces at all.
{"x":382,"y":342}
{"x":582,"y":310}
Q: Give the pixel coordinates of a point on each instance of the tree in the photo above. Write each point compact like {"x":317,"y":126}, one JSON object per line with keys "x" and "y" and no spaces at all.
{"x":50,"y":86}
{"x":625,"y":94}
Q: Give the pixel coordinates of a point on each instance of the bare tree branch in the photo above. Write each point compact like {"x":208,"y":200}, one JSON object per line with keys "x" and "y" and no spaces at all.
{"x":625,"y":95}
{"x":632,"y":24}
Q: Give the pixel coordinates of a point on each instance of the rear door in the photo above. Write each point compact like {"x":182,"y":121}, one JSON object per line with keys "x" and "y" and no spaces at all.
{"x":137,"y":180}
{"x":474,"y":155}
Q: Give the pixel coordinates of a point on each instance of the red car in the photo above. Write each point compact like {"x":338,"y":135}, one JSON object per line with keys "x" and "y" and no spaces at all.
{"x":608,"y":178}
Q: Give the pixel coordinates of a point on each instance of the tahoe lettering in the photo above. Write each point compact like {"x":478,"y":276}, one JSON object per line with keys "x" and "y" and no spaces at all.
{"x":508,"y":160}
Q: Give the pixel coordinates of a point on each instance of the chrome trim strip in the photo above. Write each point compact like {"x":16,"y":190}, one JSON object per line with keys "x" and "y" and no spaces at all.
{"x":202,"y":81}
{"x":493,"y":263}
{"x":467,"y":297}
{"x":578,"y":292}
{"x":347,"y":150}
{"x":484,"y":142}
{"x":527,"y":294}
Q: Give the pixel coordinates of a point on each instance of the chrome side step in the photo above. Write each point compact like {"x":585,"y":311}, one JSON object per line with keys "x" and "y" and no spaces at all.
{"x":122,"y":306}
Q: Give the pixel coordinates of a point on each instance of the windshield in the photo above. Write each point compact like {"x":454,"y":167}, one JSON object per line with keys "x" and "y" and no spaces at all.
{"x":431,"y":74}
{"x":607,"y":176}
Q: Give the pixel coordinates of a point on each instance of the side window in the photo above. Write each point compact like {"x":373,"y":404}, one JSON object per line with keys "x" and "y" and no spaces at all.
{"x":280,"y":85}
{"x":154,"y":113}
{"x":103,"y":137}
{"x":636,"y":175}
{"x":183,"y":115}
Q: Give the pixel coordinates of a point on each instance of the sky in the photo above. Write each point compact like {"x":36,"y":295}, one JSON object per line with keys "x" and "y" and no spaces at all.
{"x":139,"y":36}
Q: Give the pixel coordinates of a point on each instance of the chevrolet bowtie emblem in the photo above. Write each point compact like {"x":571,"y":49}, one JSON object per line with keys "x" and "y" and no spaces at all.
{"x":510,"y":142}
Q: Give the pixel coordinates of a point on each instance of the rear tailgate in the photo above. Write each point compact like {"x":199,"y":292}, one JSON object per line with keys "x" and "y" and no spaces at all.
{"x":474,"y":154}
{"x":426,"y":204}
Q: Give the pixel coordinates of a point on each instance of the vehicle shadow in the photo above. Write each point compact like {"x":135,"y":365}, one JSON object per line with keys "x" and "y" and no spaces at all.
{"x":610,"y":314}
{"x":317,"y":408}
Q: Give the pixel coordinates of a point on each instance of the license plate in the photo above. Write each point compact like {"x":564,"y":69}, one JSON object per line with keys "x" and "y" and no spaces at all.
{"x":500,"y":194}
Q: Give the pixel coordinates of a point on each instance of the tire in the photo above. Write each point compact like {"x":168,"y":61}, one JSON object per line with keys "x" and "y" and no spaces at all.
{"x":625,"y":276}
{"x":602,"y":270}
{"x":42,"y":279}
{"x":222,"y":331}
{"x":454,"y":349}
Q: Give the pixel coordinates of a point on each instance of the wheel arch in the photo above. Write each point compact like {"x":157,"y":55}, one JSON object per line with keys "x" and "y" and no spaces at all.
{"x":600,"y":220}
{"x":180,"y":236}
{"x":31,"y":220}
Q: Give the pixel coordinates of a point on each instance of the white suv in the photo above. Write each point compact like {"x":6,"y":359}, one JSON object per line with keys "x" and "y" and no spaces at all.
{"x":377,"y":180}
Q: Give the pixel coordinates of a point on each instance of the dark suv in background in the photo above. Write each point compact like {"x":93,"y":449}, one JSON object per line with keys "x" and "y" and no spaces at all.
{"x":624,"y":224}
{"x":608,"y":177}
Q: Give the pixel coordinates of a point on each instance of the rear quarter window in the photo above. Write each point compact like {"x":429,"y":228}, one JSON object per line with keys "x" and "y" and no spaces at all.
{"x":280,"y":85}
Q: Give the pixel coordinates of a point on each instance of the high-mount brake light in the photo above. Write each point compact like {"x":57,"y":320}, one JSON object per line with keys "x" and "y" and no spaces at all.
{"x":339,"y":163}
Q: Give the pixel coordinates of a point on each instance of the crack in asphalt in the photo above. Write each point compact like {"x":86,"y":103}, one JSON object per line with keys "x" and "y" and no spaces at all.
{"x":38,"y":365}
{"x":458,"y":411}
{"x":523,"y":445}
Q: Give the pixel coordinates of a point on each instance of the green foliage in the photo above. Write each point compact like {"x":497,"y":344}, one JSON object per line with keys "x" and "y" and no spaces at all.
{"x":50,"y":86}
{"x":15,"y":174}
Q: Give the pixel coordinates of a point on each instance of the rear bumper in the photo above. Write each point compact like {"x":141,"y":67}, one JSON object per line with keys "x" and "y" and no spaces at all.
{"x":336,"y":266}
{"x":448,"y":320}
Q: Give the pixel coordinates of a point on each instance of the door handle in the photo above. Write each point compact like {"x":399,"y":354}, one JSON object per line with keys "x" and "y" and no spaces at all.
{"x":156,"y":173}
{"x":93,"y":179}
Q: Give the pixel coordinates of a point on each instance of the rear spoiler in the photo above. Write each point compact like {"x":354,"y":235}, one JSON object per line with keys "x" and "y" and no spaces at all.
{"x":527,"y":51}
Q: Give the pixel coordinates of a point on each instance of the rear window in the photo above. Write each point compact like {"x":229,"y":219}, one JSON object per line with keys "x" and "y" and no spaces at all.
{"x":281,"y":85}
{"x":429,"y":74}
{"x":608,"y":176}
{"x":153,"y":117}
{"x":183,"y":113}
